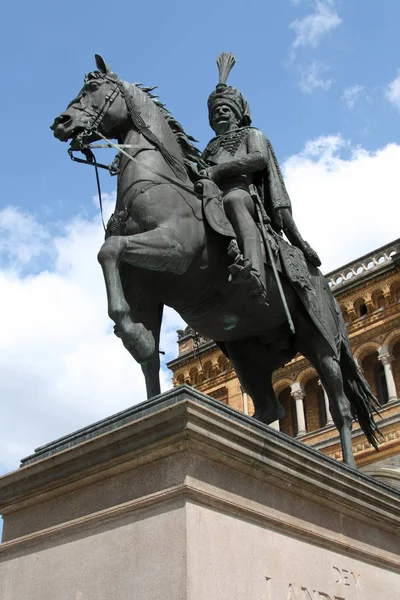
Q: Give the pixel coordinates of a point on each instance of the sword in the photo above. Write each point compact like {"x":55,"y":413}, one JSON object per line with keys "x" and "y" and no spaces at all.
{"x":264,"y":220}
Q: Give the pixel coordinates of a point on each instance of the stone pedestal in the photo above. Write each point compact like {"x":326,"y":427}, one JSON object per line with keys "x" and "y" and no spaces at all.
{"x":182,"y":498}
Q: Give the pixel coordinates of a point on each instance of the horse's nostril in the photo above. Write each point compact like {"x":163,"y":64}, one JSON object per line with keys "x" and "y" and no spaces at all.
{"x":62,"y":119}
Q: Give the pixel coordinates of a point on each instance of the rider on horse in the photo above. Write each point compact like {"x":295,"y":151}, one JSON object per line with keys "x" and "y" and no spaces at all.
{"x":243,"y":165}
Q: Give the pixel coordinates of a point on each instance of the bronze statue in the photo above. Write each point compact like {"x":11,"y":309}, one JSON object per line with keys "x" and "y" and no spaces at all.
{"x":169,"y":242}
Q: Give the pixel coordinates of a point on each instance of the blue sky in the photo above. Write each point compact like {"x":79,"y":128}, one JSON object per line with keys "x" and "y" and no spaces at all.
{"x":323,"y":81}
{"x":48,"y":47}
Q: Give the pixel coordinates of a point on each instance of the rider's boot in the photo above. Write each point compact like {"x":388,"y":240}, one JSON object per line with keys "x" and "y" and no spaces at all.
{"x":243,"y":271}
{"x":248,"y":267}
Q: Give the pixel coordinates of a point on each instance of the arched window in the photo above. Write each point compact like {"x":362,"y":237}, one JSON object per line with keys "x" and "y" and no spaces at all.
{"x":381,"y":387}
{"x":360,"y":308}
{"x":193,"y":376}
{"x":395,"y":291}
{"x":288,"y":423}
{"x":369,"y":366}
{"x":314,"y":405}
{"x":380,"y":302}
{"x":223,"y":363}
{"x":207,"y":369}
{"x":396,"y":366}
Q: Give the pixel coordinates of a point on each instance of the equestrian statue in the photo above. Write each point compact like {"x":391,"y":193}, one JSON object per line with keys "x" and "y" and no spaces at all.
{"x":204,"y":235}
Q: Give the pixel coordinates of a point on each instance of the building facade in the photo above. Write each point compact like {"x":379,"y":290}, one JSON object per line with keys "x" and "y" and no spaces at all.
{"x":368,"y":293}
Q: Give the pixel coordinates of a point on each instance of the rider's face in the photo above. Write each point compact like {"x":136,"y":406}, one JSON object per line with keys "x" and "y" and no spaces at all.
{"x":223,"y":119}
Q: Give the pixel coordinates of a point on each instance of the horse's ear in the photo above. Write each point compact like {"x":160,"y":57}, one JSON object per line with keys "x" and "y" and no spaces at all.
{"x":101,"y":64}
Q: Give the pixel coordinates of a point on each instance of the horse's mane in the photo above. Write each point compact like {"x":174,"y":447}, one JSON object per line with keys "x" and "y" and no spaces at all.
{"x":190,"y":153}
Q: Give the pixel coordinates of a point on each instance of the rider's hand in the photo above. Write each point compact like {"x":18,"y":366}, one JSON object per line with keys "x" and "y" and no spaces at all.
{"x":311,"y":255}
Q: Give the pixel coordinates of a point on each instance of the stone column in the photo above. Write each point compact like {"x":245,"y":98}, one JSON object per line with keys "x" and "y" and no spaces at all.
{"x":329,"y":420}
{"x":297,"y":392}
{"x":275,"y":425}
{"x":245,"y":403}
{"x":386,"y":359}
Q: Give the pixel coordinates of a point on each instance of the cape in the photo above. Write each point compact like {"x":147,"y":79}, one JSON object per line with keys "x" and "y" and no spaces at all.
{"x":272,"y":189}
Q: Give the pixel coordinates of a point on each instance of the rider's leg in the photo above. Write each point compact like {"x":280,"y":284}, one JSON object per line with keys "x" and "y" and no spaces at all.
{"x":240,"y":210}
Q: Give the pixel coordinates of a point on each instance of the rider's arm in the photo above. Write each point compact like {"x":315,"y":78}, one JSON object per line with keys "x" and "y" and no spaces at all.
{"x":293,"y":235}
{"x":255,"y":160}
{"x":290,"y":229}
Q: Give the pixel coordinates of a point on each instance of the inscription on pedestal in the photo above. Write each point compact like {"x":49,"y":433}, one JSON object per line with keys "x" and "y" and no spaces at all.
{"x":296,"y":591}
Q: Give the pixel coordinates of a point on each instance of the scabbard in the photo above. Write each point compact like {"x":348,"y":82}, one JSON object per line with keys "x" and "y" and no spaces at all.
{"x":261,"y":218}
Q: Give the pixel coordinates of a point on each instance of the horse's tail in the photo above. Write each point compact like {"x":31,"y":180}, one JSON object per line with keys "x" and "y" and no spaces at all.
{"x":364,"y":405}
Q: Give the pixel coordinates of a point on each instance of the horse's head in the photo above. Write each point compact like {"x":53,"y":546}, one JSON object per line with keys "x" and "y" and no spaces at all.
{"x":99,"y":106}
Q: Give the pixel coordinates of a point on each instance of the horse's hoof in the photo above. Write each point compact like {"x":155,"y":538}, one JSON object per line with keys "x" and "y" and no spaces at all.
{"x":269,"y":416}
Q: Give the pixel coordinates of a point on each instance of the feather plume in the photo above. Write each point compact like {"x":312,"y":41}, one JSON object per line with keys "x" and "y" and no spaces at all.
{"x":225,"y":62}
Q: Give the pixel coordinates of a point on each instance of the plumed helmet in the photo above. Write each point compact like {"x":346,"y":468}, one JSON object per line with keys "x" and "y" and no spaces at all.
{"x":225,"y":94}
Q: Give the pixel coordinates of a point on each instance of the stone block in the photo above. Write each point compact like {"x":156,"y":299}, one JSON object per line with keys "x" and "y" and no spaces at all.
{"x":183,"y":498}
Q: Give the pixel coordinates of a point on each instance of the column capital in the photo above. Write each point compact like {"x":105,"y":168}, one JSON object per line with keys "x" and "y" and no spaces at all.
{"x":297,"y":391}
{"x":385,"y":356}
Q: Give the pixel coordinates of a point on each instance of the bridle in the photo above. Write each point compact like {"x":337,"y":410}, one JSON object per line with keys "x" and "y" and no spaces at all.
{"x":96,"y":118}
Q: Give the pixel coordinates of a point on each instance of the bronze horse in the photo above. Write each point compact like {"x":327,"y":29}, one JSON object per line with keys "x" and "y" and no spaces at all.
{"x":159,"y":250}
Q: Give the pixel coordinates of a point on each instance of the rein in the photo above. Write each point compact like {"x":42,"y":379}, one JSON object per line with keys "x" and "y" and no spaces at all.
{"x":154,"y":171}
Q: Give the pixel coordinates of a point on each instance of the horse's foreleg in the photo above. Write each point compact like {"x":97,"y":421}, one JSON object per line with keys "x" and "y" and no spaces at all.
{"x":156,"y":250}
{"x":151,"y":372}
{"x":151,"y":368}
{"x":136,"y":337}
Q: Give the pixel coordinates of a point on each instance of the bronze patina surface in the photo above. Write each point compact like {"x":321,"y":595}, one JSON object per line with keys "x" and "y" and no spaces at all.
{"x":261,"y":298}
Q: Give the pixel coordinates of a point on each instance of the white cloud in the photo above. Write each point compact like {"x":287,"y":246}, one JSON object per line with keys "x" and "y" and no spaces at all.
{"x":311,"y":29}
{"x":344,"y":198}
{"x":22,"y":238}
{"x":61,"y":367}
{"x":392,"y":92}
{"x":352,"y":94}
{"x":312,"y":77}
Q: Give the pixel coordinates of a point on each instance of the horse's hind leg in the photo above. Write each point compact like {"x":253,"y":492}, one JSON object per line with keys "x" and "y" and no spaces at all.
{"x":253,"y":366}
{"x":328,"y":368}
